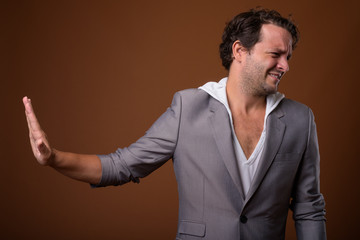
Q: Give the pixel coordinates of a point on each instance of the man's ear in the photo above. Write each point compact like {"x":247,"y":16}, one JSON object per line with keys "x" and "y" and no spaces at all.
{"x":238,"y":51}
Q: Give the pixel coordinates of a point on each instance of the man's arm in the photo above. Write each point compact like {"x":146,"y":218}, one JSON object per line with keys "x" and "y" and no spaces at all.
{"x":86,"y":168}
{"x":308,"y":203}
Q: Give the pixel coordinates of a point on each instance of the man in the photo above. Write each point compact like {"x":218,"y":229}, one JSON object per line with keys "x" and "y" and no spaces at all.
{"x":241,"y":151}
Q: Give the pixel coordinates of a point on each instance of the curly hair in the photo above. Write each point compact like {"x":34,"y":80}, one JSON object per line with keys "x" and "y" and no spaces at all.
{"x":246,"y":27}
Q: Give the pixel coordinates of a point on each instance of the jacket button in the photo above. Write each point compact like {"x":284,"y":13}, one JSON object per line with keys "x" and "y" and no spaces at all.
{"x":243,"y":219}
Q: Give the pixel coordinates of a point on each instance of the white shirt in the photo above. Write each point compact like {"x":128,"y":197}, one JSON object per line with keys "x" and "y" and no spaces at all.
{"x":247,"y":167}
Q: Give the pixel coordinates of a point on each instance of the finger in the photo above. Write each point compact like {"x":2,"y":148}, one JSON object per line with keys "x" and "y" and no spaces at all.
{"x":26,"y":102}
{"x":32,"y":120}
{"x":33,"y":135}
{"x":28,"y":123}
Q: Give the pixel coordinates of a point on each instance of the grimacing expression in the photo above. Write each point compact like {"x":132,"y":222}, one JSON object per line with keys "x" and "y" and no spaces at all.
{"x":266,"y":63}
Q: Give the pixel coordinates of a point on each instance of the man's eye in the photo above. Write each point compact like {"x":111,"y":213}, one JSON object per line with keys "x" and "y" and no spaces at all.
{"x":275,"y":54}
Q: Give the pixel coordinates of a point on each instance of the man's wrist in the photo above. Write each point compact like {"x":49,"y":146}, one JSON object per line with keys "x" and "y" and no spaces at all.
{"x":54,"y":158}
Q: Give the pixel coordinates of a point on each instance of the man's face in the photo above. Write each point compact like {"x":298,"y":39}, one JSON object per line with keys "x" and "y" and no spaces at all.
{"x":267,"y":61}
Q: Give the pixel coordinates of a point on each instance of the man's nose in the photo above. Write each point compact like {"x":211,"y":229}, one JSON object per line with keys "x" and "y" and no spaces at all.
{"x":283,"y":65}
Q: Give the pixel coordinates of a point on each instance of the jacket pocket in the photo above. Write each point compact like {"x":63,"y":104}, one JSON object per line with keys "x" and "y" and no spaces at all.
{"x":192,"y":228}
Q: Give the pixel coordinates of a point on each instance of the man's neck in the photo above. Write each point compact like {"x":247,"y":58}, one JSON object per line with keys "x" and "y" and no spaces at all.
{"x":240,"y":101}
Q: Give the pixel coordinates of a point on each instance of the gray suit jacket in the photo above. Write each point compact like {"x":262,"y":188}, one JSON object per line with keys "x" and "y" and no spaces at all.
{"x":196,"y":133}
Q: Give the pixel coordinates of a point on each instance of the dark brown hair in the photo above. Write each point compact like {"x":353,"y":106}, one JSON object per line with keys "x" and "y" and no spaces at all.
{"x":246,"y":27}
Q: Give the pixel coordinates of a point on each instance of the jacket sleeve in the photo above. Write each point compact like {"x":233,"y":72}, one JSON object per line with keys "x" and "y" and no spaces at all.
{"x":307,"y":203}
{"x":146,"y":154}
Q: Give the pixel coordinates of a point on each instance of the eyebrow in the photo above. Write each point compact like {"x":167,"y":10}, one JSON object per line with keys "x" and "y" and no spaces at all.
{"x":278,"y":50}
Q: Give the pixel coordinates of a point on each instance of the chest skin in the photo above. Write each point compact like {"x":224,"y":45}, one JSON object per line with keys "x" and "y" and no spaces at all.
{"x":248,"y":130}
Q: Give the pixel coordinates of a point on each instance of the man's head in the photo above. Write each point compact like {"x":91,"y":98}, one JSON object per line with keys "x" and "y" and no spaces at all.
{"x":246,"y":28}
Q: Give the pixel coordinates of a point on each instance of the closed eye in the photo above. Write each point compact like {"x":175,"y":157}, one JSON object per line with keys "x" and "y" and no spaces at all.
{"x":275,"y":54}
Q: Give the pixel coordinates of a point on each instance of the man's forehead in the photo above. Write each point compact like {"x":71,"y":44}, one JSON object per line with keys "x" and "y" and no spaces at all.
{"x":274,"y":32}
{"x":278,"y":38}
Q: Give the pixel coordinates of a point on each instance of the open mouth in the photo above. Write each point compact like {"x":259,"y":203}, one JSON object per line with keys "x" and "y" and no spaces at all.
{"x":276,"y":75}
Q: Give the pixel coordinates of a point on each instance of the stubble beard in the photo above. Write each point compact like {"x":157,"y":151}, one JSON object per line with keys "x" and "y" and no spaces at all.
{"x":254,"y":80}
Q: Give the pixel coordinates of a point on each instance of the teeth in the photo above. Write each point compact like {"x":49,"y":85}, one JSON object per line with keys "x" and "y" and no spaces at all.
{"x":276,"y":75}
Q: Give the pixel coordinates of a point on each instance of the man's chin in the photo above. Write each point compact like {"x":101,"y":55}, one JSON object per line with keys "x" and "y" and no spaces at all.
{"x":270,"y":90}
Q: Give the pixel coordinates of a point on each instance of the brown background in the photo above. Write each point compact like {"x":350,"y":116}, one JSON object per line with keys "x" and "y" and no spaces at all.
{"x":100,"y":72}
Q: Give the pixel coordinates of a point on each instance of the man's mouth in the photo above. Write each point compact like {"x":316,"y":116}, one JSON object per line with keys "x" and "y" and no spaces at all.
{"x":276,"y":75}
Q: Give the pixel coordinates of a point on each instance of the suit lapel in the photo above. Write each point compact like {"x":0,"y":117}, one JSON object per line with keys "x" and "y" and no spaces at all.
{"x":275,"y":129}
{"x":220,"y":123}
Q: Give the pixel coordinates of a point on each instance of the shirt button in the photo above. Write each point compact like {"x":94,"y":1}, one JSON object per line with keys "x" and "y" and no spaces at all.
{"x":243,"y":219}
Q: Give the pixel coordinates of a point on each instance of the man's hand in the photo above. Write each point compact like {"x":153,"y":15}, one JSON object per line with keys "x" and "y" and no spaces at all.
{"x":39,"y":143}
{"x":82,"y":167}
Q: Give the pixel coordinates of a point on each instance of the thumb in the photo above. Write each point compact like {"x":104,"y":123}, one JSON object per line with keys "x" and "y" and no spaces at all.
{"x":42,"y":148}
